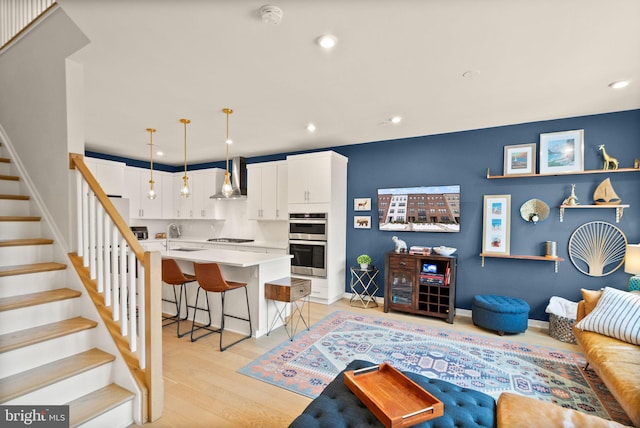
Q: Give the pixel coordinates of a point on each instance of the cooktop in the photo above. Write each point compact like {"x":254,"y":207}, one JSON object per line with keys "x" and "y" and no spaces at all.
{"x":232,"y":240}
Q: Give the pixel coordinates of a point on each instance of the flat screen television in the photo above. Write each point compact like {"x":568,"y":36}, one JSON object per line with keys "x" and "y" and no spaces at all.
{"x":419,"y":209}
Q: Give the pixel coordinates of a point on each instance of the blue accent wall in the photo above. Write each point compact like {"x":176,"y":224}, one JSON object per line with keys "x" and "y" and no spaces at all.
{"x":463,"y":158}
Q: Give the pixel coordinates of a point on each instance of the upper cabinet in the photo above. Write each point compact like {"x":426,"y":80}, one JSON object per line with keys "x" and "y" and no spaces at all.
{"x":202,"y":184}
{"x":110,"y":175}
{"x":311,"y":177}
{"x":267,"y":191}
{"x":140,"y":206}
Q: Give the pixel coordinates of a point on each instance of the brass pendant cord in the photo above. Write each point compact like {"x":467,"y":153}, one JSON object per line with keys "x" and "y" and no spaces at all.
{"x":226,"y":140}
{"x":151,"y":131}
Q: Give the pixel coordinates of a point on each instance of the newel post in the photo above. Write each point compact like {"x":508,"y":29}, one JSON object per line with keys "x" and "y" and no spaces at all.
{"x":153,"y":328}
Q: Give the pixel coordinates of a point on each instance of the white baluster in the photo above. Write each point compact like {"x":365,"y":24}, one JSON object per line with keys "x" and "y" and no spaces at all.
{"x":142,"y":316}
{"x":92,"y":235}
{"x":100,"y":249}
{"x":123,"y":287}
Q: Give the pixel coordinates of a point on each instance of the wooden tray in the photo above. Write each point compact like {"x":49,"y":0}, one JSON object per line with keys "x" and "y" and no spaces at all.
{"x":393,"y":398}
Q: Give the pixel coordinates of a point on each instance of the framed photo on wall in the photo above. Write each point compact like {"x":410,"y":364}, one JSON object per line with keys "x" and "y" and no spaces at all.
{"x":362,"y":204}
{"x":520,"y":159}
{"x":562,"y":152}
{"x":496,"y":224}
{"x":362,"y":222}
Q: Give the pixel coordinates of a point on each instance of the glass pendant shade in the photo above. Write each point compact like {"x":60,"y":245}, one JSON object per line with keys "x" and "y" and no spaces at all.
{"x":227,"y":189}
{"x":184,"y":191}
{"x":152,"y":193}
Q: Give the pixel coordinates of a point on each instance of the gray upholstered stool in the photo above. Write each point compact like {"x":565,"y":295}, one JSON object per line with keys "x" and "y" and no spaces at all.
{"x":500,"y":313}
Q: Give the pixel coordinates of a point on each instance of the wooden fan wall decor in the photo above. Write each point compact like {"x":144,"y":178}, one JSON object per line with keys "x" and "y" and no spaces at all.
{"x":597,"y":248}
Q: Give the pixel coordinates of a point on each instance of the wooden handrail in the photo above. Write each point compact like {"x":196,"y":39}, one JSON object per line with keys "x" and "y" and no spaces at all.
{"x":77,"y":162}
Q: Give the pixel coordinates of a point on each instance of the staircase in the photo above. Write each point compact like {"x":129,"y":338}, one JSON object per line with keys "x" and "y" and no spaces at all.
{"x":48,"y":352}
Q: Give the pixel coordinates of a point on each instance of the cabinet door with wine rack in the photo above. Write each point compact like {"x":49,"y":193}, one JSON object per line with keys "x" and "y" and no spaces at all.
{"x":422,"y":285}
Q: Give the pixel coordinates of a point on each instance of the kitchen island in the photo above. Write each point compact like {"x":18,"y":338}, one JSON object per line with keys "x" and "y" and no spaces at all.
{"x":242,"y":266}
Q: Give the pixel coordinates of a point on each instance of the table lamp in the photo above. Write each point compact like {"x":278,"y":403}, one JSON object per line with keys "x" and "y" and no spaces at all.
{"x":632,"y":265}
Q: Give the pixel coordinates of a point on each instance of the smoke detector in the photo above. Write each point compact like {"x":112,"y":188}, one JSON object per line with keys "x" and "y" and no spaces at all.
{"x":271,"y":14}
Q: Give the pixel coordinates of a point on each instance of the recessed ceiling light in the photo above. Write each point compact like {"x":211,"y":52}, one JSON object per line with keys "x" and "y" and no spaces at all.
{"x":395,"y":119}
{"x":327,"y":41}
{"x":469,"y":74}
{"x":160,"y":153}
{"x":311,"y":127}
{"x":619,"y":84}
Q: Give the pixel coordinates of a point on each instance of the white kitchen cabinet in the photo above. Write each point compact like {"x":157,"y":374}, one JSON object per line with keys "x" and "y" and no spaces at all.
{"x":109,"y":174}
{"x":267,"y":191}
{"x":310,"y":177}
{"x":206,"y":183}
{"x":202,"y":184}
{"x":137,"y":188}
{"x":168,"y":195}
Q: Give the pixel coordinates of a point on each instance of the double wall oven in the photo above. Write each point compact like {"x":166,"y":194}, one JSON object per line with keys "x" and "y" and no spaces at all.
{"x":308,"y":243}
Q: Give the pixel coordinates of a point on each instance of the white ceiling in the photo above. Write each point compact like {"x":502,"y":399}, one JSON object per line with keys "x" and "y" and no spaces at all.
{"x":151,"y":63}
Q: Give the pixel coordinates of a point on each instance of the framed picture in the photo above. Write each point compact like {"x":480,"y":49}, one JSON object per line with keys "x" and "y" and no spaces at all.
{"x":362,"y":222}
{"x":496,"y":224}
{"x":520,"y":159}
{"x":362,"y":204}
{"x":562,"y":152}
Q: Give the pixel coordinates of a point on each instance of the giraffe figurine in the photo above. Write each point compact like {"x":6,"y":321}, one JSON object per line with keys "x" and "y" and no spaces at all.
{"x":608,"y":160}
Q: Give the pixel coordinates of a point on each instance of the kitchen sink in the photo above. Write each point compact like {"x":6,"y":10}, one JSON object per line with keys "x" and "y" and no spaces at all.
{"x":187,"y":249}
{"x":231,"y":240}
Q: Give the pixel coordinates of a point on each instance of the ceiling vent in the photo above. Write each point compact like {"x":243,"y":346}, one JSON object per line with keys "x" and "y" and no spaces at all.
{"x":271,"y":14}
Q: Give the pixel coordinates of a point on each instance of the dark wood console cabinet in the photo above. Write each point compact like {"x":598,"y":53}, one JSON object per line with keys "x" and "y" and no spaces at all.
{"x":424,"y":285}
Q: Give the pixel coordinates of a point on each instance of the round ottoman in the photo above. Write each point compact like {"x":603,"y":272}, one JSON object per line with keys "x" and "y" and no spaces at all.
{"x":500,"y":313}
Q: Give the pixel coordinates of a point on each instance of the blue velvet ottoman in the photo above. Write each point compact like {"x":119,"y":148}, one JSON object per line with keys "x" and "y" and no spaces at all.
{"x":500,"y":313}
{"x":338,"y":407}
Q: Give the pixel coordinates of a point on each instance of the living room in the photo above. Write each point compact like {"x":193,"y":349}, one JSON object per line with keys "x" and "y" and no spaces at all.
{"x":463,"y":157}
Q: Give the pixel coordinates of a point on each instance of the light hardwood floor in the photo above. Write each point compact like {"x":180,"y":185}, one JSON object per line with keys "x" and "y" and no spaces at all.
{"x":203,"y":388}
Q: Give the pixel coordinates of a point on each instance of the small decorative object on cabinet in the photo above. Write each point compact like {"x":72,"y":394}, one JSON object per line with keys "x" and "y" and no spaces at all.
{"x":401,"y":246}
{"x":423,"y":285}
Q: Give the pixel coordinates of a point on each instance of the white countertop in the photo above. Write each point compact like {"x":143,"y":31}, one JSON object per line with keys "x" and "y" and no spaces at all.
{"x":224,"y":257}
{"x":283,"y":245}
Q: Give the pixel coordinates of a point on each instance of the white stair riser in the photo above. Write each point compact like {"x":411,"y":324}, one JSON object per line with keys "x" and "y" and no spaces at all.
{"x":15,"y":207}
{"x":33,"y":316}
{"x":20,"y":229}
{"x":9,"y":187}
{"x":25,"y":254}
{"x":26,"y":358}
{"x":5,"y":168}
{"x":120,"y":416}
{"x":68,"y":389}
{"x":31,"y":283}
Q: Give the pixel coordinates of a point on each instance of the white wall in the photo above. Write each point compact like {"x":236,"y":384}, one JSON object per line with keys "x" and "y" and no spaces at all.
{"x":33,"y":108}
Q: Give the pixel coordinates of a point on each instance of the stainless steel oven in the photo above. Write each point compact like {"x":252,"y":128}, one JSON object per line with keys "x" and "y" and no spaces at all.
{"x":308,"y":226}
{"x":308,"y":243}
{"x":309,"y":257}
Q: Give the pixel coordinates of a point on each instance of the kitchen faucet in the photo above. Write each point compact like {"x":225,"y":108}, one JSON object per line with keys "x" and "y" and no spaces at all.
{"x":173,"y":231}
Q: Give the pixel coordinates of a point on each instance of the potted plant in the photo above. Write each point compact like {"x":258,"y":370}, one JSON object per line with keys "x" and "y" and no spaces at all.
{"x":364,"y":261}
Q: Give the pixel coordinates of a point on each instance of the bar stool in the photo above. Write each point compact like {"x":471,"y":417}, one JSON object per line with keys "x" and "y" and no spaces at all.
{"x":210,"y":279}
{"x":173,"y":275}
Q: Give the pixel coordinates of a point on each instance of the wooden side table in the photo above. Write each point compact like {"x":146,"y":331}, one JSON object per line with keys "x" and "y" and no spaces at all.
{"x":290,"y":291}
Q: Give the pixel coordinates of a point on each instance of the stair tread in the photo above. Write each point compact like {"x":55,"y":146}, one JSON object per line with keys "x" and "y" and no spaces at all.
{"x":31,"y":268}
{"x":9,"y":177}
{"x":39,"y":298}
{"x":94,"y":404}
{"x":28,"y":381}
{"x":19,"y":218}
{"x":30,"y":336}
{"x":15,"y":197}
{"x":5,"y":160}
{"x":25,"y":241}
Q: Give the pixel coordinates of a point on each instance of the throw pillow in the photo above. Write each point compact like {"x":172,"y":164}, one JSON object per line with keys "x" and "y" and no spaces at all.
{"x":590,"y":298}
{"x":617,"y":315}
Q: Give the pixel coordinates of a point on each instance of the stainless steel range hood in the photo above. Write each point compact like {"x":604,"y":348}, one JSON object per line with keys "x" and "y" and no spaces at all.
{"x":238,"y":180}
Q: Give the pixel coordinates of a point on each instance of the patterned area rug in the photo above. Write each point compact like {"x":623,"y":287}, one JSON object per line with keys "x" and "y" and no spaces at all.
{"x":486,"y":364}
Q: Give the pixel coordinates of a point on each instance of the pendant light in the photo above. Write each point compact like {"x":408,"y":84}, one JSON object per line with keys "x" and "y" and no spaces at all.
{"x":227,"y":190}
{"x":152,"y":193}
{"x":185,"y":192}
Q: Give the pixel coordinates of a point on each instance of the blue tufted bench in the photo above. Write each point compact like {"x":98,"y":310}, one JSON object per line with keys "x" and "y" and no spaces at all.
{"x":500,"y":313}
{"x":338,"y":407}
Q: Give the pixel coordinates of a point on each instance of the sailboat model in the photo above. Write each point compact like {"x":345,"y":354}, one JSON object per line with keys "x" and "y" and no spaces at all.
{"x":605,"y":195}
